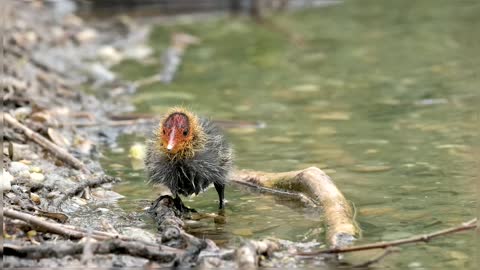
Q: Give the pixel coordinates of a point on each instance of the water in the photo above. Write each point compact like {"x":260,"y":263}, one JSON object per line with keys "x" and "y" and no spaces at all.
{"x":382,"y":95}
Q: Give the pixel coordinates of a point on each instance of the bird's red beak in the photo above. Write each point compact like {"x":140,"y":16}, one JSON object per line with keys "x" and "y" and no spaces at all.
{"x":171,"y":140}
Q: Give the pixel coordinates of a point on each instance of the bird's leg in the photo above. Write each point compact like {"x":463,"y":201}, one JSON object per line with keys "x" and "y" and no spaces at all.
{"x":180,"y":206}
{"x":221,"y":194}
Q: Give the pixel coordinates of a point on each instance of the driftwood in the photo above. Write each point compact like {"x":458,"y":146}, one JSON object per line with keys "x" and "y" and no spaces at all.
{"x":469,"y":225}
{"x":57,"y":151}
{"x":111,"y":246}
{"x":341,"y":228}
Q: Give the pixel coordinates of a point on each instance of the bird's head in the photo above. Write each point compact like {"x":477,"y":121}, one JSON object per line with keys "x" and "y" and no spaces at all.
{"x":180,"y":134}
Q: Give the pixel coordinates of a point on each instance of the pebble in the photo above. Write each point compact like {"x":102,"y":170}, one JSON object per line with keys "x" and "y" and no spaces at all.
{"x":37,"y":177}
{"x":7,"y":178}
{"x":86,"y":35}
{"x":109,"y":54}
{"x":24,"y":174}
{"x":22,"y":112}
{"x":17,"y":167}
{"x":35,"y":198}
{"x":35,"y":169}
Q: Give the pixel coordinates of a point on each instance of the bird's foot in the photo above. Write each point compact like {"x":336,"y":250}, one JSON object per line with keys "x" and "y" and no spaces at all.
{"x":182,"y":207}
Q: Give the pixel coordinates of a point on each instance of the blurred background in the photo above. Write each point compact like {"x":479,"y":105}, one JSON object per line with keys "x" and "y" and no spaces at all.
{"x":382,"y":95}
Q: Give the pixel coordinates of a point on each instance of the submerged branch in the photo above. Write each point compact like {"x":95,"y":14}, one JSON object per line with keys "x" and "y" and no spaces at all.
{"x":341,"y":228}
{"x":469,"y":225}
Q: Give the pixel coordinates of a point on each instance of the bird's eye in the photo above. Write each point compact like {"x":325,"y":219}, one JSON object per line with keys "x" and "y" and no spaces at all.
{"x":185,"y":132}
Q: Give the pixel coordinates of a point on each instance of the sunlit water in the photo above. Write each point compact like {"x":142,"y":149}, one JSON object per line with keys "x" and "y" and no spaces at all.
{"x":382,"y":95}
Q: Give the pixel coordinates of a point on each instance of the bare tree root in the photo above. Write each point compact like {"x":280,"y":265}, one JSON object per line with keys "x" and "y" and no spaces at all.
{"x":341,"y":228}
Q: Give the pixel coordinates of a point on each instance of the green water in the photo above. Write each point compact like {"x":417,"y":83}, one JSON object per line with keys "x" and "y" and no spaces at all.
{"x":382,"y":95}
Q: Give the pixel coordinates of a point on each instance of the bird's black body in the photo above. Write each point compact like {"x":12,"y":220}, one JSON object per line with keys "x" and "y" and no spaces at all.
{"x":188,"y":175}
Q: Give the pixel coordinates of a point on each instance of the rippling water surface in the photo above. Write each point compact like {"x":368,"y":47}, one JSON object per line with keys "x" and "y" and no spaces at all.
{"x":382,"y":95}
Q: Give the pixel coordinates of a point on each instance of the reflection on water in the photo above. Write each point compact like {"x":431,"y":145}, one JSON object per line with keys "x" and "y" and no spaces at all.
{"x":382,"y":95}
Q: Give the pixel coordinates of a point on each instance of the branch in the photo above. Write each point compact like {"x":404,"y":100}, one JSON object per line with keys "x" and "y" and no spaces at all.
{"x":57,"y":151}
{"x":112,"y":246}
{"x":79,"y":188}
{"x":341,"y":228}
{"x":73,"y":232}
{"x":469,"y":225}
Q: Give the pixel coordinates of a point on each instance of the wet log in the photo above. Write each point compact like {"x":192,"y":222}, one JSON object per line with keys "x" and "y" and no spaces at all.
{"x":341,"y":226}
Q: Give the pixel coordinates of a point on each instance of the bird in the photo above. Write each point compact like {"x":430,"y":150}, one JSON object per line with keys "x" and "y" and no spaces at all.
{"x":187,"y":153}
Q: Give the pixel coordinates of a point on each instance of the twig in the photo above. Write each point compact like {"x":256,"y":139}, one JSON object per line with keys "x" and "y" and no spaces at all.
{"x":87,"y":253}
{"x":79,"y":188}
{"x":57,"y":151}
{"x":469,"y":225}
{"x":112,"y":246}
{"x":42,"y":224}
{"x":300,"y":196}
{"x":148,"y":80}
{"x":385,"y":253}
{"x":73,"y":232}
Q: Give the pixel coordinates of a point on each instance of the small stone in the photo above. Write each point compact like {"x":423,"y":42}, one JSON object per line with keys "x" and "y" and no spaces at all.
{"x":86,"y":35}
{"x":24,"y":174}
{"x":22,"y":112}
{"x":7,"y":178}
{"x":35,"y":169}
{"x":17,"y":167}
{"x":35,"y":198}
{"x":109,"y":54}
{"x":37,"y":178}
{"x":53,"y":194}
